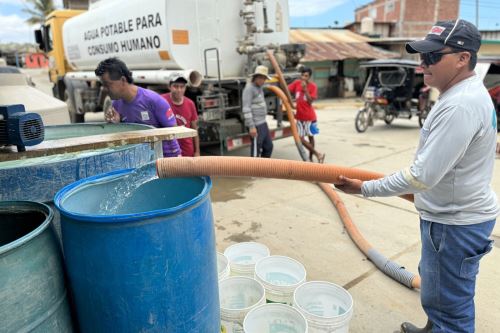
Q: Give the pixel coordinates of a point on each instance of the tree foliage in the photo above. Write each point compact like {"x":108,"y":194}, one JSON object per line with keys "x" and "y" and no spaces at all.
{"x":38,"y":9}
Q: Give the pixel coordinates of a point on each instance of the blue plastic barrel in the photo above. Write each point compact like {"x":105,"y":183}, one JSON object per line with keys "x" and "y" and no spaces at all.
{"x":151,"y":267}
{"x":33,"y":296}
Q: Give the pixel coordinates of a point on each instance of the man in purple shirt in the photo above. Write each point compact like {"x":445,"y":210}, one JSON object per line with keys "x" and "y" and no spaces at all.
{"x":133,"y":104}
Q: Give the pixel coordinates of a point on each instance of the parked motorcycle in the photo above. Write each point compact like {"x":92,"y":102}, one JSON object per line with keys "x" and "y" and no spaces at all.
{"x":393,"y":90}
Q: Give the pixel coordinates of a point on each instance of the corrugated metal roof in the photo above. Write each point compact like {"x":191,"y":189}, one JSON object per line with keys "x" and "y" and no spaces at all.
{"x":325,"y":35}
{"x":338,"y":44}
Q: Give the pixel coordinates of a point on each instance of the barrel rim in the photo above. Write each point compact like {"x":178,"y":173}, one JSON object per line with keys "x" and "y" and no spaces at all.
{"x":49,"y":215}
{"x":121,"y":218}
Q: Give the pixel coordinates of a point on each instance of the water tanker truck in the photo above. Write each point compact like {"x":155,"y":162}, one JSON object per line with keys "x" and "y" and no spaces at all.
{"x":215,"y":43}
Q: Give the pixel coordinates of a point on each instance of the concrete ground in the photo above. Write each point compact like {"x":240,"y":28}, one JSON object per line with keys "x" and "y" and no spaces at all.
{"x":296,"y":219}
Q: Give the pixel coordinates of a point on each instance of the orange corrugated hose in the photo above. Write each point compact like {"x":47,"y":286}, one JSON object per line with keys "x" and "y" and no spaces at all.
{"x":257,"y":167}
{"x":325,"y":174}
{"x":389,"y":267}
{"x":281,"y":78}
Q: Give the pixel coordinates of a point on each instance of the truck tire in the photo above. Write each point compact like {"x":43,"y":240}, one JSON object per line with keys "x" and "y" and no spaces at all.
{"x":73,"y":116}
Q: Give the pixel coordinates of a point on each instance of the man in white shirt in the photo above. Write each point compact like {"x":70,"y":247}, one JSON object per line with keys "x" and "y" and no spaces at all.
{"x":450,"y":176}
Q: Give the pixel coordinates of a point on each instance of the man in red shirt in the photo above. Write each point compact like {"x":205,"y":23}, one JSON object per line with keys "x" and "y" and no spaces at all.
{"x":306,"y":92}
{"x":185,"y":113}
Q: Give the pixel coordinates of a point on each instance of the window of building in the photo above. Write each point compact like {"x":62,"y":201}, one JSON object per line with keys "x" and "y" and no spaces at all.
{"x":389,"y":6}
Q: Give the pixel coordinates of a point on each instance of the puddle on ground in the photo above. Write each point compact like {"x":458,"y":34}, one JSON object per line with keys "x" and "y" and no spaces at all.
{"x":229,"y":188}
{"x":240,"y":237}
{"x":368,"y":145}
{"x":255,"y":227}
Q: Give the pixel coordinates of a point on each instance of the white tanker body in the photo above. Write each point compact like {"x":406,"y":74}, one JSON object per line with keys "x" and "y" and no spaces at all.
{"x":215,"y":43}
{"x":170,"y":34}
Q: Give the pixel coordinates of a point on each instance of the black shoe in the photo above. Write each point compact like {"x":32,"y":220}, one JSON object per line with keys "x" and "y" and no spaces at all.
{"x":410,"y":328}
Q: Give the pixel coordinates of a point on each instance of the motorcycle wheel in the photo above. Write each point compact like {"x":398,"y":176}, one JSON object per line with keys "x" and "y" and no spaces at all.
{"x":362,"y":120}
{"x":389,"y":118}
{"x":423,"y":115}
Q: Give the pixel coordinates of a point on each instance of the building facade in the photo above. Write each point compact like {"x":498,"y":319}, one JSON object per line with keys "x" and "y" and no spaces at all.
{"x":410,"y":18}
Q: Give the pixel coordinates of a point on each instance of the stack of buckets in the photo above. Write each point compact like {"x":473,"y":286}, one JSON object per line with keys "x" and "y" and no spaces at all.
{"x":260,"y":293}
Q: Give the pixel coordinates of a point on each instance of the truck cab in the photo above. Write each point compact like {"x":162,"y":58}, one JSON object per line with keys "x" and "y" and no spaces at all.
{"x":49,"y":39}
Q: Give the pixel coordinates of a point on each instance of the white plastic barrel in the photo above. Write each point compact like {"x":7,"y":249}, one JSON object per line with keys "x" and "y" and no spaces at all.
{"x":243,"y":256}
{"x":327,"y":307}
{"x":222,"y":266}
{"x":280,"y":276}
{"x":237,"y":296}
{"x":273,"y":318}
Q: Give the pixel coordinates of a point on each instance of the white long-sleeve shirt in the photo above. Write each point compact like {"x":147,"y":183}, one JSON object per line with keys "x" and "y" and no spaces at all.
{"x":453,"y":165}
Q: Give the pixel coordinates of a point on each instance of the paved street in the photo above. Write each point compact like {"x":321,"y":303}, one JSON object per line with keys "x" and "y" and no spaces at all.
{"x":296,"y":219}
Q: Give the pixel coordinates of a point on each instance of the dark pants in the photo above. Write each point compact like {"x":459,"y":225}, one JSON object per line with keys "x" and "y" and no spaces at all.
{"x":262,"y":145}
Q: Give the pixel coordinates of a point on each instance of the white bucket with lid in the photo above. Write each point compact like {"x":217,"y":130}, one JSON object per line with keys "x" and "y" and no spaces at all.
{"x":327,"y":307}
{"x":280,"y":276}
{"x":222,"y":266}
{"x":274,"y":318}
{"x":237,"y":296}
{"x":243,"y":256}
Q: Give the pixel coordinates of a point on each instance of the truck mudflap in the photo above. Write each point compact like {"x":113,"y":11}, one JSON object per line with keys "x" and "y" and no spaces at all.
{"x":244,"y":140}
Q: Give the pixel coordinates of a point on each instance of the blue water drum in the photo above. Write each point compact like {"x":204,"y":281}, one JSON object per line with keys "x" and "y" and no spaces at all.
{"x":33,"y":296}
{"x":148,"y":267}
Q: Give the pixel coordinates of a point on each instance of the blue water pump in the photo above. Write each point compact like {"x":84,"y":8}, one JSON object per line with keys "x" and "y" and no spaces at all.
{"x":20,"y":128}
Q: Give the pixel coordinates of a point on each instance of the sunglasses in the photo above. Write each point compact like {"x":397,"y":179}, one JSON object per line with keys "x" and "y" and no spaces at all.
{"x":433,"y":58}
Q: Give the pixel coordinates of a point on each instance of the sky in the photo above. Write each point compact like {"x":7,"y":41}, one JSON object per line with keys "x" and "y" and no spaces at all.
{"x":303,"y":13}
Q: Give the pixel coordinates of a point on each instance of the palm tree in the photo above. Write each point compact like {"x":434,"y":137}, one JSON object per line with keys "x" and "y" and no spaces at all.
{"x":40,"y":9}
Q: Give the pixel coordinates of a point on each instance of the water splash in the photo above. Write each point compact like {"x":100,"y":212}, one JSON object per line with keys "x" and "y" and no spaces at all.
{"x":126,"y":187}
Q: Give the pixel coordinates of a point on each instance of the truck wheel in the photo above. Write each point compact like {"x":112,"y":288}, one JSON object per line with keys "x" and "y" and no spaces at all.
{"x":73,"y":116}
{"x":362,"y":120}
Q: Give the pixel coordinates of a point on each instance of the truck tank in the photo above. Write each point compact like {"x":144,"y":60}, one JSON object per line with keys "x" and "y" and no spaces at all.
{"x":170,"y":34}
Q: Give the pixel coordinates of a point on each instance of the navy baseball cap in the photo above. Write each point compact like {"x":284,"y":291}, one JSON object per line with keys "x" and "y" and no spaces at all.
{"x":459,"y":34}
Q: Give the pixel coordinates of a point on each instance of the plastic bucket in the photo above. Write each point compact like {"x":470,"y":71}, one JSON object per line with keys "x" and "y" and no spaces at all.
{"x":222,"y":266}
{"x":238,"y":295}
{"x":152,"y":266}
{"x":327,"y":307}
{"x":243,"y":256}
{"x":33,"y":295}
{"x":274,"y":318}
{"x":280,"y":276}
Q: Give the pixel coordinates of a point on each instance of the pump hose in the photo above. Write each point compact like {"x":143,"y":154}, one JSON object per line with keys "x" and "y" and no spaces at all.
{"x":286,"y":169}
{"x":291,"y":119}
{"x":325,"y":174}
{"x":387,"y":266}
